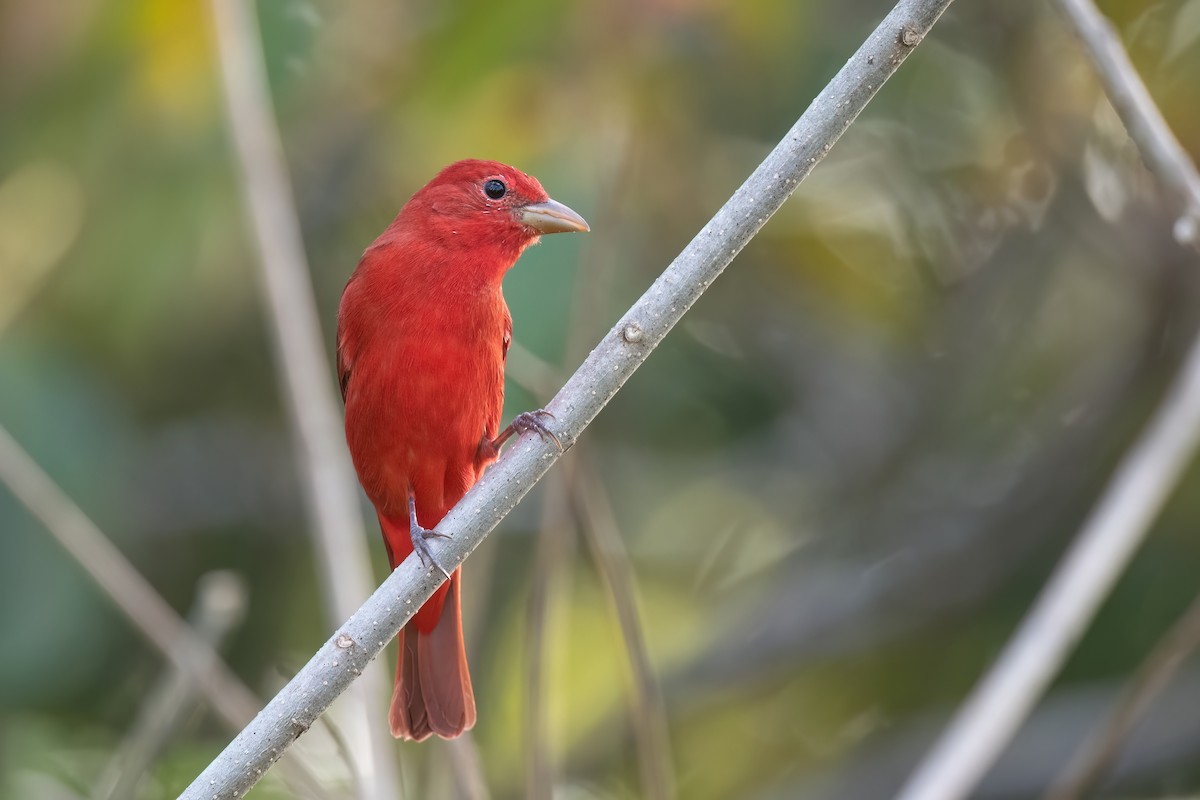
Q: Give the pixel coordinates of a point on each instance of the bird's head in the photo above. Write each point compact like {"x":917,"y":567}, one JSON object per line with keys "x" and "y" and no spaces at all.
{"x":486,"y":206}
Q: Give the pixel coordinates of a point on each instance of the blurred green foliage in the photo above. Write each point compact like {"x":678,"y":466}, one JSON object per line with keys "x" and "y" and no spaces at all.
{"x":841,"y":481}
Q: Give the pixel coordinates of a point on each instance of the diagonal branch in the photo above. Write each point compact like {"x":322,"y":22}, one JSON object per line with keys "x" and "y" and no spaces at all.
{"x":129,"y":590}
{"x":1099,"y":752}
{"x":648,"y":719}
{"x":219,"y":606}
{"x":1110,"y":536}
{"x":1162,"y":152}
{"x":1061,"y":613}
{"x":1006,"y":695}
{"x":603,"y":538}
{"x":548,"y":593}
{"x":302,"y":366}
{"x":600,"y":376}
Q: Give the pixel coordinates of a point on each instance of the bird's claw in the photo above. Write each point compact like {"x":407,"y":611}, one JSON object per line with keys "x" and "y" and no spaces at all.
{"x":524,"y":422}
{"x":420,"y":537}
{"x":528,"y":421}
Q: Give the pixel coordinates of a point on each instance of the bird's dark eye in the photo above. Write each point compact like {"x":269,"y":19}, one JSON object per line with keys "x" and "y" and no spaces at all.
{"x":495,"y":189}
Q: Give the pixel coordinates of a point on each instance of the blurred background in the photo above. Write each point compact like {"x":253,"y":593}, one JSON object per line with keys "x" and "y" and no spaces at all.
{"x":838,"y":484}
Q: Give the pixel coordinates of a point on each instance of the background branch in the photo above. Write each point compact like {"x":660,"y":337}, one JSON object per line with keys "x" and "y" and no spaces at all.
{"x":593,"y":518}
{"x":1109,"y":538}
{"x":1098,"y":754}
{"x":463,"y":758}
{"x":1163,"y":153}
{"x":630,"y":342}
{"x":305,"y":380}
{"x":650,"y":729}
{"x":153,"y":617}
{"x":1164,"y":743}
{"x":1061,"y":613}
{"x":121,"y":581}
{"x":219,"y":607}
{"x":593,"y":507}
{"x":548,"y":596}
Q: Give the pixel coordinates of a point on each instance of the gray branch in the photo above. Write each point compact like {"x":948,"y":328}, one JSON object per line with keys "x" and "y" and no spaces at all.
{"x":1162,"y":152}
{"x":129,"y":590}
{"x":650,"y":730}
{"x":1007,"y":694}
{"x":600,"y":376}
{"x":1099,"y":753}
{"x":219,"y":606}
{"x":302,"y":364}
{"x":1144,"y":480}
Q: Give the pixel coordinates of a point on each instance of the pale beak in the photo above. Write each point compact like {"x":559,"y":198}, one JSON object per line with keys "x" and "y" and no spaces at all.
{"x":551,"y":216}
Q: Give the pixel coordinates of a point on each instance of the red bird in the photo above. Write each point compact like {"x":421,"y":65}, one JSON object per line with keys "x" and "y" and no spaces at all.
{"x":423,"y":332}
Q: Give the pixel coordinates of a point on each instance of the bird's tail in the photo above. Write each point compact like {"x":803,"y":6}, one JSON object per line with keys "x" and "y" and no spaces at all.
{"x":433,"y":688}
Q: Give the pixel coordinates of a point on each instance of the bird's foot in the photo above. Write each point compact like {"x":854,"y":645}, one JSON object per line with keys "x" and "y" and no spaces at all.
{"x":420,"y":542}
{"x":528,"y":421}
{"x":420,"y":538}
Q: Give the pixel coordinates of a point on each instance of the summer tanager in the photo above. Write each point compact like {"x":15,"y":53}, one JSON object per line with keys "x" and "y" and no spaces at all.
{"x":423,"y":332}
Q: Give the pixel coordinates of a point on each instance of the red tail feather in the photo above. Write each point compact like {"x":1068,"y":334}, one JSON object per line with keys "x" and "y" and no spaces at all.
{"x":433,"y":687}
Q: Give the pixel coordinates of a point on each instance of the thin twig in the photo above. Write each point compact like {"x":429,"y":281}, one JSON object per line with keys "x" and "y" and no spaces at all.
{"x":588,"y":390}
{"x":598,"y":522}
{"x":121,"y":581}
{"x":650,"y":729}
{"x":1145,"y":478}
{"x":302,"y":364}
{"x":592,"y":283}
{"x":129,"y":590}
{"x":1006,"y":695}
{"x":1128,"y":94}
{"x":219,"y":606}
{"x":1097,"y":755}
{"x":467,"y":768}
{"x":546,"y":592}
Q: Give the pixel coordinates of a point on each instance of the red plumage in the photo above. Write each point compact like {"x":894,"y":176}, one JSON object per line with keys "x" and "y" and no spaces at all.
{"x":423,"y":331}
